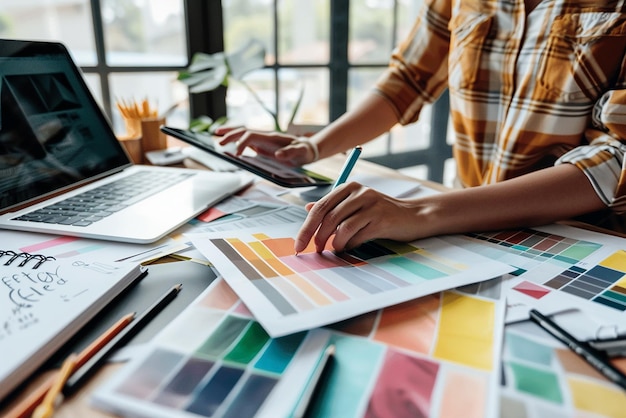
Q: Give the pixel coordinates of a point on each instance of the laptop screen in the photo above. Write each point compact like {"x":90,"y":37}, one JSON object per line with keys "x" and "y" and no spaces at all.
{"x":53,"y":135}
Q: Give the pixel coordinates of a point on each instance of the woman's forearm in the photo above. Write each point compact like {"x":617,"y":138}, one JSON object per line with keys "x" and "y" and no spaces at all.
{"x":546,"y":196}
{"x":353,"y":214}
{"x":372,"y":118}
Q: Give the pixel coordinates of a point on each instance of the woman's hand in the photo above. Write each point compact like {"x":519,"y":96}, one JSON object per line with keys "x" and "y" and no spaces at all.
{"x":285,"y":148}
{"x":355,"y":214}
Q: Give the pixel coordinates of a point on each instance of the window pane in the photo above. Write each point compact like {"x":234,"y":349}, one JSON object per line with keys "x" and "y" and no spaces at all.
{"x":247,"y":19}
{"x":412,"y":137}
{"x":360,"y":83}
{"x":93,"y":82}
{"x":314,"y":85}
{"x":403,"y":138}
{"x":67,"y":22}
{"x":371,"y":31}
{"x":242,"y":105}
{"x":303,"y":30}
{"x":144,"y":32}
{"x":161,"y":89}
{"x":407,"y":12}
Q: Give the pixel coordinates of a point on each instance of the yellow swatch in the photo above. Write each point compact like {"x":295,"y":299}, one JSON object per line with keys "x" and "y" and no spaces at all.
{"x":616,"y":261}
{"x":596,"y":398}
{"x":466,"y":331}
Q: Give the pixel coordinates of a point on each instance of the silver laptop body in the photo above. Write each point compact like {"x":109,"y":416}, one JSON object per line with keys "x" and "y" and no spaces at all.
{"x":54,"y":138}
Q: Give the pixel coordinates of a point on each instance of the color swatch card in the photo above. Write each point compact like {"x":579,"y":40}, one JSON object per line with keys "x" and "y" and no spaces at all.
{"x":74,"y":248}
{"x":417,"y":358}
{"x":543,"y":378}
{"x":435,"y":356}
{"x":214,"y":360}
{"x":559,"y":267}
{"x":289,"y":293}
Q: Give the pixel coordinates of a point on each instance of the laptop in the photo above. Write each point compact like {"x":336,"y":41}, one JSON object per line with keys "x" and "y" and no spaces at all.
{"x":63,"y":171}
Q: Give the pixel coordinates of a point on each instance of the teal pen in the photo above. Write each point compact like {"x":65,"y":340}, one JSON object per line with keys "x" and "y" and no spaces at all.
{"x":348,"y":166}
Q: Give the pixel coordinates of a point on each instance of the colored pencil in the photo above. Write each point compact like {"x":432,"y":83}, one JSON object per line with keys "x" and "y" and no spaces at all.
{"x":26,"y":407}
{"x":46,"y":408}
{"x":86,"y":370}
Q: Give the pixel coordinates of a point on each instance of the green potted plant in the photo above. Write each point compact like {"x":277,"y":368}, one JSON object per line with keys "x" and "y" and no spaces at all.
{"x":206,"y":72}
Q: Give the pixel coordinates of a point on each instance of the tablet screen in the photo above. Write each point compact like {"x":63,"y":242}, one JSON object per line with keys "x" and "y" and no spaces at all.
{"x":264,"y":167}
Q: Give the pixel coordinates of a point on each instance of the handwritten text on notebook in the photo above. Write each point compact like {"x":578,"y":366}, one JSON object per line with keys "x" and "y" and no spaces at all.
{"x":28,"y":291}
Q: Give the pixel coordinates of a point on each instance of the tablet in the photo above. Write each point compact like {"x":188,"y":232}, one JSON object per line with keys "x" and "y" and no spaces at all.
{"x":267,"y":168}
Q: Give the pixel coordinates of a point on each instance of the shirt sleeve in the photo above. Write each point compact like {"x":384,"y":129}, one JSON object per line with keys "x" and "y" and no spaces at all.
{"x":603,"y":159}
{"x":417,"y":71}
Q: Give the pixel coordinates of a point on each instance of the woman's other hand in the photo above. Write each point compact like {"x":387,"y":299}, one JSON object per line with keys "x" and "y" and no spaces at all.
{"x":285,"y":148}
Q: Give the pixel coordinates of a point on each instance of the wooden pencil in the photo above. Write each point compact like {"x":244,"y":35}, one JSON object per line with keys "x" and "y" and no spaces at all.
{"x":26,"y":407}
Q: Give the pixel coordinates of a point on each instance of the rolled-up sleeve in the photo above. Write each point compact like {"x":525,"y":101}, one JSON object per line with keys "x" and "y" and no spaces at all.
{"x":603,"y":159}
{"x":417,"y":72}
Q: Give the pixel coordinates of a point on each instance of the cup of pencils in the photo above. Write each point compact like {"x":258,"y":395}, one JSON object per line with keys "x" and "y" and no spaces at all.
{"x":142,"y":120}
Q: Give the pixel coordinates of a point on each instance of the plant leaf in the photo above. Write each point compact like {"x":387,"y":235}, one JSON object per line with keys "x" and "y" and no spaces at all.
{"x":201,"y":61}
{"x":200,"y":124}
{"x":248,"y":58}
{"x":208,"y":80}
{"x":296,"y":106}
{"x":218,"y":122}
{"x":191,"y":79}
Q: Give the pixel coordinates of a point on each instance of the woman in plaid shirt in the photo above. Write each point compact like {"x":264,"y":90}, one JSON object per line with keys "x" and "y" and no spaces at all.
{"x":538,"y":108}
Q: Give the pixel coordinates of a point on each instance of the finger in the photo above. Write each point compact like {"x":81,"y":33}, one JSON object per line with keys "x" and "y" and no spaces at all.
{"x":306,"y":232}
{"x":232,"y":136}
{"x":263,"y":143}
{"x":267,"y":146}
{"x":295,"y":154}
{"x":223,"y":130}
{"x":325,"y":216}
{"x":365,"y":234}
{"x":351,"y":233}
{"x":341,"y":222}
{"x":254,"y":140}
{"x":317,"y":212}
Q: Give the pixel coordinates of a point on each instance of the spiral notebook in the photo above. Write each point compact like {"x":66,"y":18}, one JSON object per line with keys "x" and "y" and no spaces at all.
{"x":44,"y":302}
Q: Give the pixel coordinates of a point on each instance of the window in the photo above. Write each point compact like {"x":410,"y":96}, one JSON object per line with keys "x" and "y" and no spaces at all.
{"x":127,"y":49}
{"x":334,"y":51}
{"x":330,"y":50}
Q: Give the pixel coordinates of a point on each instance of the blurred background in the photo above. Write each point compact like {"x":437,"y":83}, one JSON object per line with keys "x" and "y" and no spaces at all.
{"x":332,"y":49}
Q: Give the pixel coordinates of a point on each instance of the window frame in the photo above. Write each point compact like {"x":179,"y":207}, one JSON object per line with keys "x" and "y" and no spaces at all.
{"x":205,"y":33}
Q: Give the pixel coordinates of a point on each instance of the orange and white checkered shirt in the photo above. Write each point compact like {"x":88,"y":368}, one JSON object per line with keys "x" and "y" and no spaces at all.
{"x":526,"y":92}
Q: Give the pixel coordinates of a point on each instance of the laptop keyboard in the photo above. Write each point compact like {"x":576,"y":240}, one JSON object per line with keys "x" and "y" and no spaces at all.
{"x":96,"y":204}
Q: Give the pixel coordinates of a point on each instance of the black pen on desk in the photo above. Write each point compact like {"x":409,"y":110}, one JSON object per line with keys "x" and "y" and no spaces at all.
{"x":84,"y":372}
{"x":348,"y":166}
{"x":594,"y":357}
{"x":316,"y":383}
{"x":613,"y":347}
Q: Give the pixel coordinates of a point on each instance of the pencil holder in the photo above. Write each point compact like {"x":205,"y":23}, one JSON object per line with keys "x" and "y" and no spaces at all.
{"x":152,"y":137}
{"x":133,"y":127}
{"x":132,"y":145}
